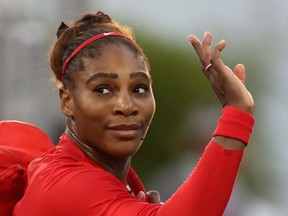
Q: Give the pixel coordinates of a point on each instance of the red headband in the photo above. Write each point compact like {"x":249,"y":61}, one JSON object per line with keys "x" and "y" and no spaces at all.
{"x":85,"y":43}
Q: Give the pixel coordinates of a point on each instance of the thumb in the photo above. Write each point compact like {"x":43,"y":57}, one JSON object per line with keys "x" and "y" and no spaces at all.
{"x":240,"y":72}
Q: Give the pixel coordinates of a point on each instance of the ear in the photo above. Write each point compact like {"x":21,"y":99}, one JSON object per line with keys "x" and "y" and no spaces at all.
{"x":66,"y":102}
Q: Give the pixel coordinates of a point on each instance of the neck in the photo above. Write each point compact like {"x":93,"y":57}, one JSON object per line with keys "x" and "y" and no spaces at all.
{"x":116,"y":166}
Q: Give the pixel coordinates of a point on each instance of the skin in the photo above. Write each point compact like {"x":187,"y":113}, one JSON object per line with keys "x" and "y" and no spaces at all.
{"x":95,"y":112}
{"x":229,"y":85}
{"x":112,"y":105}
{"x":114,"y":91}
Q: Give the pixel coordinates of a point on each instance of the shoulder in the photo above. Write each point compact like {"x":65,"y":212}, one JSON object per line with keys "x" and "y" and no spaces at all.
{"x":61,"y":170}
{"x":70,"y":189}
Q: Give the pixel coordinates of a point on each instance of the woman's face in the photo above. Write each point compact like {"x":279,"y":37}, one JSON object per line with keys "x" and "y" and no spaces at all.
{"x":112,"y":102}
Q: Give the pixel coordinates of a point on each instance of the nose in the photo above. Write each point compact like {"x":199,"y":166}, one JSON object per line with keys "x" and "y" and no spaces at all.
{"x":125,"y":105}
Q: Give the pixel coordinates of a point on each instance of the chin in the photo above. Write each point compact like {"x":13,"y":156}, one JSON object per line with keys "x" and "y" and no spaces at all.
{"x":125,"y":151}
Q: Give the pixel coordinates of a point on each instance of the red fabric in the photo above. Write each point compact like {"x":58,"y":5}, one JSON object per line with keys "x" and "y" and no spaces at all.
{"x":235,"y":123}
{"x":69,"y":183}
{"x":134,"y":182}
{"x":20,"y":143}
{"x":209,"y":187}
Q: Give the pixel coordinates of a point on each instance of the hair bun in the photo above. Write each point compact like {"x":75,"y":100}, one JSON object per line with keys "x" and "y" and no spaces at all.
{"x":90,"y":19}
{"x":61,"y":29}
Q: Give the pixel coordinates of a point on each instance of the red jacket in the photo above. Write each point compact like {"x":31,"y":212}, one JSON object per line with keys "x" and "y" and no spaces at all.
{"x":64,"y":181}
{"x":20,"y":143}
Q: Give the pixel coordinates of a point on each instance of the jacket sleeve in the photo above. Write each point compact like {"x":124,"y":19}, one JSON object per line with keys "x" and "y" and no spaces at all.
{"x":208,"y":189}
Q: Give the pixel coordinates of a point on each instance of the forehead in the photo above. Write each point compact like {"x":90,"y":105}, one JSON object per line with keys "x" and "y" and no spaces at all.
{"x":115,"y":58}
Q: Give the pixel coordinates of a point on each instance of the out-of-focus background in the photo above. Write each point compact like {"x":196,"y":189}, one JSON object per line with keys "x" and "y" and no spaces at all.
{"x":187,"y":110}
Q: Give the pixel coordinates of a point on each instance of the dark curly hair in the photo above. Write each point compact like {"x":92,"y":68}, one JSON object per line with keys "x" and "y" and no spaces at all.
{"x":70,"y":37}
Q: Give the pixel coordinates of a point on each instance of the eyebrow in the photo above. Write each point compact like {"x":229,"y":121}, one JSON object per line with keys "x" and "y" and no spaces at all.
{"x":102,"y":75}
{"x":115,"y":75}
{"x":139,"y":74}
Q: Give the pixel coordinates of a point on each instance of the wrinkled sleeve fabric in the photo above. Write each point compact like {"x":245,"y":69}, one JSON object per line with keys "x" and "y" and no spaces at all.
{"x":80,"y":190}
{"x":208,"y":188}
{"x":206,"y":191}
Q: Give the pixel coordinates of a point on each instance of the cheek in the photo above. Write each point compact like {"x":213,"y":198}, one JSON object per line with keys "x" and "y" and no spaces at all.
{"x":150,"y":109}
{"x":93,"y":112}
{"x":87,"y":109}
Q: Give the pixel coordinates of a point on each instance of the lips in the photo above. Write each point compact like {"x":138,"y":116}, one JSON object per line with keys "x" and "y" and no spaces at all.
{"x":125,"y":127}
{"x":125,"y":131}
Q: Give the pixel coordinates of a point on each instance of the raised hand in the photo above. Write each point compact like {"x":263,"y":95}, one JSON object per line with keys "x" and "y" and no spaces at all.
{"x":228,"y":85}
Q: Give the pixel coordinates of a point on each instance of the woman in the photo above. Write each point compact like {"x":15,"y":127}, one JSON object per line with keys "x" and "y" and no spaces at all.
{"x":106,"y":94}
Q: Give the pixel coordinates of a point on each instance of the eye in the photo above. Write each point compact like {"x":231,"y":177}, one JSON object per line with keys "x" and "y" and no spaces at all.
{"x":140,"y":89}
{"x":102,"y":90}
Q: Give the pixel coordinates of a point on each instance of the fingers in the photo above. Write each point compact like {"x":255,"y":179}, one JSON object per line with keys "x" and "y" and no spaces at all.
{"x":240,"y":72}
{"x":196,"y":43}
{"x":154,"y":197}
{"x":216,"y":61}
{"x":141,"y":196}
{"x":207,"y":38}
{"x":203,"y":49}
{"x":206,"y":50}
{"x":239,"y":69}
{"x":228,"y":85}
{"x":211,"y":62}
{"x":219,"y":47}
{"x":217,"y":50}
